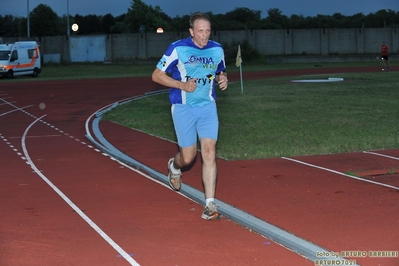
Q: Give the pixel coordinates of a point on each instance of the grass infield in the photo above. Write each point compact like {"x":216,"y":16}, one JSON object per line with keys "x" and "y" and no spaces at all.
{"x":275,"y":117}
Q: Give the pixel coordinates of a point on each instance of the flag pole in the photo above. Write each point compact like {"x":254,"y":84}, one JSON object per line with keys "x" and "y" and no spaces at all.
{"x":242,"y":86}
{"x":239,"y":64}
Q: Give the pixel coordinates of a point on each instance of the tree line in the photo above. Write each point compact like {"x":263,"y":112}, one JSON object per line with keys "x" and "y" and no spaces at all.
{"x":140,"y":17}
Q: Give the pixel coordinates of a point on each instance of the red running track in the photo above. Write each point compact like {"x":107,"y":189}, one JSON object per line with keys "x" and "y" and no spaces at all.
{"x":73,"y":205}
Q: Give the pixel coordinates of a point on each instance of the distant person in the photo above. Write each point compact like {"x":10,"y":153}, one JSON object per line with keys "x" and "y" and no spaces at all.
{"x":192,"y":67}
{"x":384,"y":57}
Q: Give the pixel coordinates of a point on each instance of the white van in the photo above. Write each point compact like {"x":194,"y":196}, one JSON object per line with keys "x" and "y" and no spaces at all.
{"x":20,"y":58}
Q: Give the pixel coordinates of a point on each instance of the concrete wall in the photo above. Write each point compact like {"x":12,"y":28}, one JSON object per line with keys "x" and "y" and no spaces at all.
{"x":297,"y":44}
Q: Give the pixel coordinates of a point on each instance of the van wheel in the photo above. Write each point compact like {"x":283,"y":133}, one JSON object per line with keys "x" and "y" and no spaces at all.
{"x":35,"y":73}
{"x":10,"y":74}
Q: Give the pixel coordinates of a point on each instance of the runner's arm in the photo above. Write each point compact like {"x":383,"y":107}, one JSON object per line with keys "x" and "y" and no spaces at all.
{"x":162,"y":78}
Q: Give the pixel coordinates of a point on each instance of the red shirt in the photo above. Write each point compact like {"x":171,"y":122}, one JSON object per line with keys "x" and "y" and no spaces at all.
{"x":384,"y":49}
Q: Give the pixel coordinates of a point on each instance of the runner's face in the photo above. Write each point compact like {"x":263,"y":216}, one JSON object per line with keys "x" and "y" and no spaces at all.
{"x":201,"y":32}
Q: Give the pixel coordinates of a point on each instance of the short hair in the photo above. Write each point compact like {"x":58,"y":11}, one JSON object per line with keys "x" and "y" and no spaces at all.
{"x":198,"y":16}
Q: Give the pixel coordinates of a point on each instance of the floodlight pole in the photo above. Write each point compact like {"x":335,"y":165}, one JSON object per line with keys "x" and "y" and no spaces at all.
{"x":28,"y":24}
{"x":68,"y":30}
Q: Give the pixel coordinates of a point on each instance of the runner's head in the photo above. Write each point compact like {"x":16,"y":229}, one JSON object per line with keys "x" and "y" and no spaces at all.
{"x":200,"y":29}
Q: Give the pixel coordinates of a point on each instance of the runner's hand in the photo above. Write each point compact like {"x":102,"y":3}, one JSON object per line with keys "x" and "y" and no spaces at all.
{"x":222,"y":81}
{"x":191,"y":85}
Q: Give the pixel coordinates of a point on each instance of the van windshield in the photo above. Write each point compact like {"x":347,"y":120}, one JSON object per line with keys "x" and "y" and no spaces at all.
{"x":4,"y":55}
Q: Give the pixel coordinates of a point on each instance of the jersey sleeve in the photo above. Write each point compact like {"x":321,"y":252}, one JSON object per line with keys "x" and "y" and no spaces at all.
{"x":169,"y":60}
{"x":222,"y":65}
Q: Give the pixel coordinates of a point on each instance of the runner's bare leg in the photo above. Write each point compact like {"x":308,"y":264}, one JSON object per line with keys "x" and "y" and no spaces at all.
{"x":209,"y":168}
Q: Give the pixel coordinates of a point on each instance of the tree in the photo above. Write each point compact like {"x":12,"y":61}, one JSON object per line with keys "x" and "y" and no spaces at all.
{"x":8,"y":26}
{"x":44,"y":21}
{"x":64,"y":26}
{"x":296,"y":22}
{"x":92,"y":24}
{"x":89,"y":24}
{"x":357,"y":20}
{"x":275,"y":17}
{"x":181,"y":24}
{"x":141,"y":17}
{"x":243,"y":18}
{"x":119,"y":26}
{"x":23,"y":26}
{"x":107,"y":23}
{"x":385,"y":17}
{"x":80,"y":21}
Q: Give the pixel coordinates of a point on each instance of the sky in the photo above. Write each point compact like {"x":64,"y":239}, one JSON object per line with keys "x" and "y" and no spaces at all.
{"x":175,"y":8}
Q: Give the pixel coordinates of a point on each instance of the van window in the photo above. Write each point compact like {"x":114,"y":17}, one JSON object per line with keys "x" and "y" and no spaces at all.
{"x":4,"y":55}
{"x":32,"y":53}
{"x":14,"y":56}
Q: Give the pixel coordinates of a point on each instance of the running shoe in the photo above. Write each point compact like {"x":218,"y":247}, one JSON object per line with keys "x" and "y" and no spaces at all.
{"x":174,"y":179}
{"x":211,"y":212}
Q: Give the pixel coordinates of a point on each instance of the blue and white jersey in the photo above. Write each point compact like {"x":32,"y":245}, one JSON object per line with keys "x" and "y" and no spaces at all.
{"x":185,"y":61}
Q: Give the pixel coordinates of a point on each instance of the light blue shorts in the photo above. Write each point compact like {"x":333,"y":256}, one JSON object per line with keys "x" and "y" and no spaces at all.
{"x":190,"y":122}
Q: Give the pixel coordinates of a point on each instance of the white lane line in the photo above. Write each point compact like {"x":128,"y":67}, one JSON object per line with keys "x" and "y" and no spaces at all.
{"x":339,"y":173}
{"x":382,"y":155}
{"x":31,"y":137}
{"x":17,"y":109}
{"x":104,"y":109}
{"x":6,"y":103}
{"x":111,"y":242}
